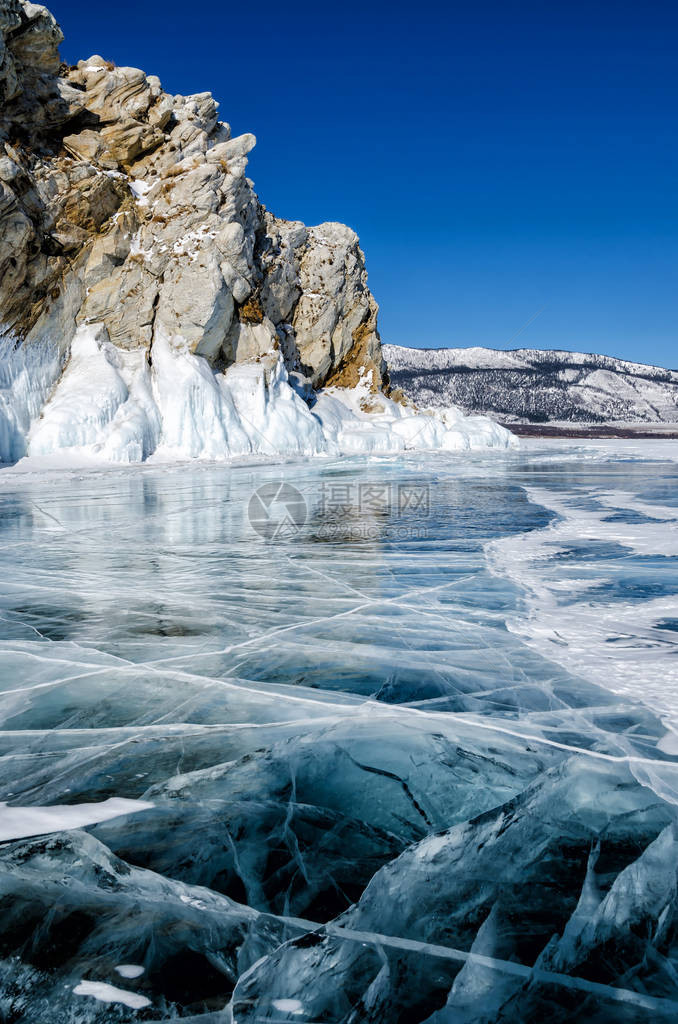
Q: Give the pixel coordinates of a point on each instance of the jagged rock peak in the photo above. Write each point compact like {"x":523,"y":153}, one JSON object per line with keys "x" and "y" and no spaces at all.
{"x":123,"y":206}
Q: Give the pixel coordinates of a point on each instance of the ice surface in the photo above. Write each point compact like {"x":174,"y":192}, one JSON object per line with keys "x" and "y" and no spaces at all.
{"x":600,"y":586}
{"x":389,"y":766}
{"x":517,"y":869}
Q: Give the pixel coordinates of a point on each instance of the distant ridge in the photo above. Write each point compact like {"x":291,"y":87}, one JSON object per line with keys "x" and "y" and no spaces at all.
{"x":532,"y":386}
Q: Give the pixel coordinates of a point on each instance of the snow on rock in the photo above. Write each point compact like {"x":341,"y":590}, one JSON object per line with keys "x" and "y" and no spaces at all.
{"x":198,"y":415}
{"x":102,"y":405}
{"x":357,"y":420}
{"x":111,"y":404}
{"x":27,"y":375}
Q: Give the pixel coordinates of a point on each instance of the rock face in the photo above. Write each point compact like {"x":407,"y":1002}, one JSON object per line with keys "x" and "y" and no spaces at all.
{"x":150,"y":305}
{"x":530,"y":386}
{"x":126,"y":207}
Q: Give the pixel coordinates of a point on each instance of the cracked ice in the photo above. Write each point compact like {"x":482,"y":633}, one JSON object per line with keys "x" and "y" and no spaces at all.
{"x":420,"y":768}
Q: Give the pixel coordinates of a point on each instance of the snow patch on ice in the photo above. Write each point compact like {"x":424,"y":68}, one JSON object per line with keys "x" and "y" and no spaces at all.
{"x":613,"y":640}
{"x":21,"y":822}
{"x":190,"y":901}
{"x":110,"y":994}
{"x":130,"y":970}
{"x":288,"y":1005}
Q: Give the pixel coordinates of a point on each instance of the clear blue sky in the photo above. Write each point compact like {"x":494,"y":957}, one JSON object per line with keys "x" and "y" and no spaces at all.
{"x":496,"y":158}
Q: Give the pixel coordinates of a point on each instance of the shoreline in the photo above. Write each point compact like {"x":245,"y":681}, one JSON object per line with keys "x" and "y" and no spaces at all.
{"x":622,"y":431}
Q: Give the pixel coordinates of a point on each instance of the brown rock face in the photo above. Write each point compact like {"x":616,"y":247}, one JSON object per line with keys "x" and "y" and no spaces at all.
{"x":123,"y":205}
{"x":364,"y":357}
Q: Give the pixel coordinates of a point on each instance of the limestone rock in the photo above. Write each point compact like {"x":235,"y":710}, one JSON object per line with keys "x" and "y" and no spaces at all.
{"x":90,"y":146}
{"x":196,"y":305}
{"x":125,"y":303}
{"x":336,"y":312}
{"x":124,"y":206}
{"x":113,"y":93}
{"x":35,"y":42}
{"x":127,"y":139}
{"x":10,"y":20}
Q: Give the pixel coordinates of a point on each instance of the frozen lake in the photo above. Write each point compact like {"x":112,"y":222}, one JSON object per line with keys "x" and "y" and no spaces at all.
{"x":454,"y":678}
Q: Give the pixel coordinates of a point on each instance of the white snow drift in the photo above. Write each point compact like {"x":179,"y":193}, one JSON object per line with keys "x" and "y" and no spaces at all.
{"x":19,"y":822}
{"x":113,"y":405}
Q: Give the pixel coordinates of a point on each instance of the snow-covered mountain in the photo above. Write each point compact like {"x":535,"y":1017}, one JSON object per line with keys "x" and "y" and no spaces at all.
{"x":532,"y":386}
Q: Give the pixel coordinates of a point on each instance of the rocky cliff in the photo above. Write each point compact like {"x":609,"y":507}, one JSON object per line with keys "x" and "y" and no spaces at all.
{"x":128,"y":207}
{"x":149,"y":303}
